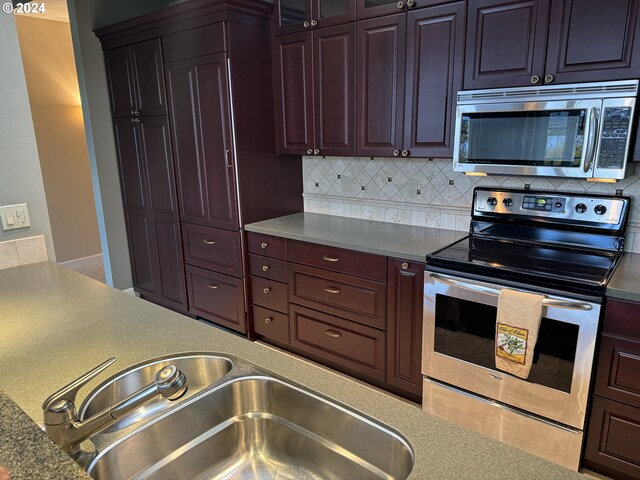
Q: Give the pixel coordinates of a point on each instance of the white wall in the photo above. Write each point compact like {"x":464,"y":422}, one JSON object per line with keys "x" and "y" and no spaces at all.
{"x":20,"y":173}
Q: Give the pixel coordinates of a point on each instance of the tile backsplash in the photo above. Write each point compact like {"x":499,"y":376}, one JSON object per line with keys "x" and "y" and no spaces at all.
{"x":426,"y":192}
{"x":23,"y":251}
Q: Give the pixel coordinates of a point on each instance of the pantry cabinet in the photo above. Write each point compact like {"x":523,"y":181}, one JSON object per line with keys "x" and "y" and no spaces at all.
{"x":515,"y":43}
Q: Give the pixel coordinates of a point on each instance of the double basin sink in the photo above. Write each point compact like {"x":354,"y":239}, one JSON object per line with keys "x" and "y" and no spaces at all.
{"x":236,"y":422}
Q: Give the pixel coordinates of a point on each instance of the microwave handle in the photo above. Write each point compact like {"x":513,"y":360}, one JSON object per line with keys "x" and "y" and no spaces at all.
{"x":547,"y":302}
{"x":592,"y":130}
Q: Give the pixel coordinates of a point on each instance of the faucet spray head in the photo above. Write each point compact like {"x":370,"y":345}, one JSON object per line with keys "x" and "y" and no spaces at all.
{"x":171,"y":382}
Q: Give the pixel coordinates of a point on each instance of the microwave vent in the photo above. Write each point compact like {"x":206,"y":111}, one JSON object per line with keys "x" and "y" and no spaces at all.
{"x":582,"y":90}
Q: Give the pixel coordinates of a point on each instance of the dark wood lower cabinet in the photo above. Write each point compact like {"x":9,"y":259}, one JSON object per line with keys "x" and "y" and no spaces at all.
{"x":613,"y":432}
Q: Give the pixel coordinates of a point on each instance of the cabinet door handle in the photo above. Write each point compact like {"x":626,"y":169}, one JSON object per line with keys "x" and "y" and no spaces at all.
{"x":396,"y":153}
{"x":227,"y":158}
{"x":306,"y":24}
{"x":135,"y":120}
{"x":310,"y":152}
{"x":265,"y":268}
{"x":212,"y":286}
{"x":208,"y":242}
{"x":410,"y":3}
{"x":314,"y":23}
{"x":405,"y":153}
{"x":268,"y":320}
{"x":333,"y":333}
{"x":263,"y":245}
{"x":405,"y":265}
{"x":266,"y":289}
{"x":316,"y":152}
{"x":135,"y":113}
{"x":549,"y":78}
{"x":400,"y":5}
{"x":332,"y":290}
{"x":535,"y":79}
{"x":330,"y":259}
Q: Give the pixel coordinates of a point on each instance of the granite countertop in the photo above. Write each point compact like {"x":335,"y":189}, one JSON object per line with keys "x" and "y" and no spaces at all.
{"x":390,"y":239}
{"x":625,"y":283}
{"x":57,"y":324}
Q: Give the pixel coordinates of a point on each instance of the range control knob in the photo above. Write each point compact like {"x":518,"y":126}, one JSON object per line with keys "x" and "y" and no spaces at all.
{"x":581,"y":208}
{"x":493,"y":201}
{"x":507,"y":202}
{"x":558,"y":205}
{"x":600,"y":209}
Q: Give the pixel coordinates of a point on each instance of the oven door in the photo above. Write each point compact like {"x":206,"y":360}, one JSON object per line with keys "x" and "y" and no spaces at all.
{"x":459,"y":348}
{"x":546,"y":138}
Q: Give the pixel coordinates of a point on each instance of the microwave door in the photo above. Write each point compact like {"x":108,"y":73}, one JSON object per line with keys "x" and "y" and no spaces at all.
{"x":527,"y":138}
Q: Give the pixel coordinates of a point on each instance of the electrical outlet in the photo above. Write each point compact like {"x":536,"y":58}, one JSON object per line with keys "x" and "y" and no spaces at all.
{"x":14,"y":216}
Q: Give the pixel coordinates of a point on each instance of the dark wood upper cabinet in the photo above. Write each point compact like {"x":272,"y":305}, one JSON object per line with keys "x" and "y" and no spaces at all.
{"x":404,"y":325}
{"x":136,"y":80}
{"x":293,"y":79}
{"x":380,"y":74}
{"x":435,"y":61}
{"x":518,"y":43}
{"x":592,"y":40}
{"x":378,"y":8}
{"x":314,"y":74}
{"x":334,"y":52}
{"x":300,"y":15}
{"x":506,"y":42}
{"x":201,"y":123}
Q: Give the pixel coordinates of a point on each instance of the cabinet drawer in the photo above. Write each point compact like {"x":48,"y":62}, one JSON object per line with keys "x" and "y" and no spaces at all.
{"x":216,"y":297}
{"x":346,"y":343}
{"x":338,"y":260}
{"x":212,"y":248}
{"x":612,"y":439}
{"x":268,"y":268}
{"x":618,"y":376}
{"x":621,"y":317}
{"x":357,"y":299}
{"x":266,"y":245}
{"x":269,"y":294}
{"x":194,"y":42}
{"x":271,"y":324}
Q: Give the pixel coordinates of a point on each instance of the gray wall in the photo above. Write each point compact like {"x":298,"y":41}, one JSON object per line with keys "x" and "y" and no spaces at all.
{"x":20,"y":174}
{"x":85,"y":16}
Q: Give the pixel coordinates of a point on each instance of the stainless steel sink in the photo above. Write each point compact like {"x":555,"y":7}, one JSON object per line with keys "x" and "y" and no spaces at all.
{"x":257,"y":427}
{"x":201,"y":370}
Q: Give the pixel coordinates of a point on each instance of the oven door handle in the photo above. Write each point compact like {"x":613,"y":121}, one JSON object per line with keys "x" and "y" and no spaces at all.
{"x":547,"y":302}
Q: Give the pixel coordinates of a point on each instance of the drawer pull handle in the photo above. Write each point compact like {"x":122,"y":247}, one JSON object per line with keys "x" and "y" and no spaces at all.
{"x":266,"y":289}
{"x":405,"y":265}
{"x":263,"y":245}
{"x":332,"y":290}
{"x":330,"y":259}
{"x":268,"y":320}
{"x":333,"y":333}
{"x":213,"y":286}
{"x":208,"y":242}
{"x":265,"y":268}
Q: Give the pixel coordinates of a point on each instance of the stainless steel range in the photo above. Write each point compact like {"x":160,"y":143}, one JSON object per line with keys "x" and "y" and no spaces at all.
{"x":564,"y":246}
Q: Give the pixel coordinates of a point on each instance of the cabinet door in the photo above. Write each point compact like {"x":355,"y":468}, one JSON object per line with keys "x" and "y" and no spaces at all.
{"x":506,"y":43}
{"x":201,"y":121}
{"x":292,"y":16}
{"x":120,"y":78}
{"x":592,"y":40}
{"x":156,"y":151}
{"x":404,"y":325}
{"x":380,"y":67}
{"x":146,"y":58}
{"x":377,"y":8}
{"x":333,"y":12}
{"x":435,"y":56}
{"x":293,"y":80}
{"x":142,"y":247}
{"x":334,"y":51}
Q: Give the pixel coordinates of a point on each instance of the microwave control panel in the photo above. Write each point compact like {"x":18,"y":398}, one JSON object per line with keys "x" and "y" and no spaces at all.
{"x":615,"y":137}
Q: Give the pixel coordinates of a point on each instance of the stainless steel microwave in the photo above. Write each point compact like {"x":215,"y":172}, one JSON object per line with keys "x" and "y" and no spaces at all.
{"x":578,"y":130}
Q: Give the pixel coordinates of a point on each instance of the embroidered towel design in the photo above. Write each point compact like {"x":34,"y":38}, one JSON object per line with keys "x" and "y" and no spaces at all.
{"x":517,"y":325}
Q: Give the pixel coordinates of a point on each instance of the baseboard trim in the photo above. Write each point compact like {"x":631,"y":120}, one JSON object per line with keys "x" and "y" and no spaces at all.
{"x":130,"y":291}
{"x":83,"y":262}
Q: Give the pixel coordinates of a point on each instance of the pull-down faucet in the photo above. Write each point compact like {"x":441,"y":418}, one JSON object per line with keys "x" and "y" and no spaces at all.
{"x":61,"y":419}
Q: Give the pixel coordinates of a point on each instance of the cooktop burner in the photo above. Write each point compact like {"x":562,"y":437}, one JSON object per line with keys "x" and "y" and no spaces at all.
{"x":570,"y":247}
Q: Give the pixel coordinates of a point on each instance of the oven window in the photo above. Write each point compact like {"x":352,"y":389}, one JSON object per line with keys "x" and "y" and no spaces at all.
{"x":466,"y":330}
{"x":528,"y":138}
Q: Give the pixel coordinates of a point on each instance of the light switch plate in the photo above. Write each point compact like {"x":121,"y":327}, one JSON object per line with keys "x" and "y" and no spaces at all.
{"x":14,"y":216}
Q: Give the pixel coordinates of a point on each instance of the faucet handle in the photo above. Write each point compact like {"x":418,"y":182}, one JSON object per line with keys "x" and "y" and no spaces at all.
{"x":69,"y":392}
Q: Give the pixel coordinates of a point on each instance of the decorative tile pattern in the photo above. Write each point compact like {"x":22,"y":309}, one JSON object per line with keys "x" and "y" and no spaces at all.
{"x":426,"y":192}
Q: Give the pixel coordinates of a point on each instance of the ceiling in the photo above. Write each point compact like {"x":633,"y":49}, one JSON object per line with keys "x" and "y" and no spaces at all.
{"x":54,"y":10}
